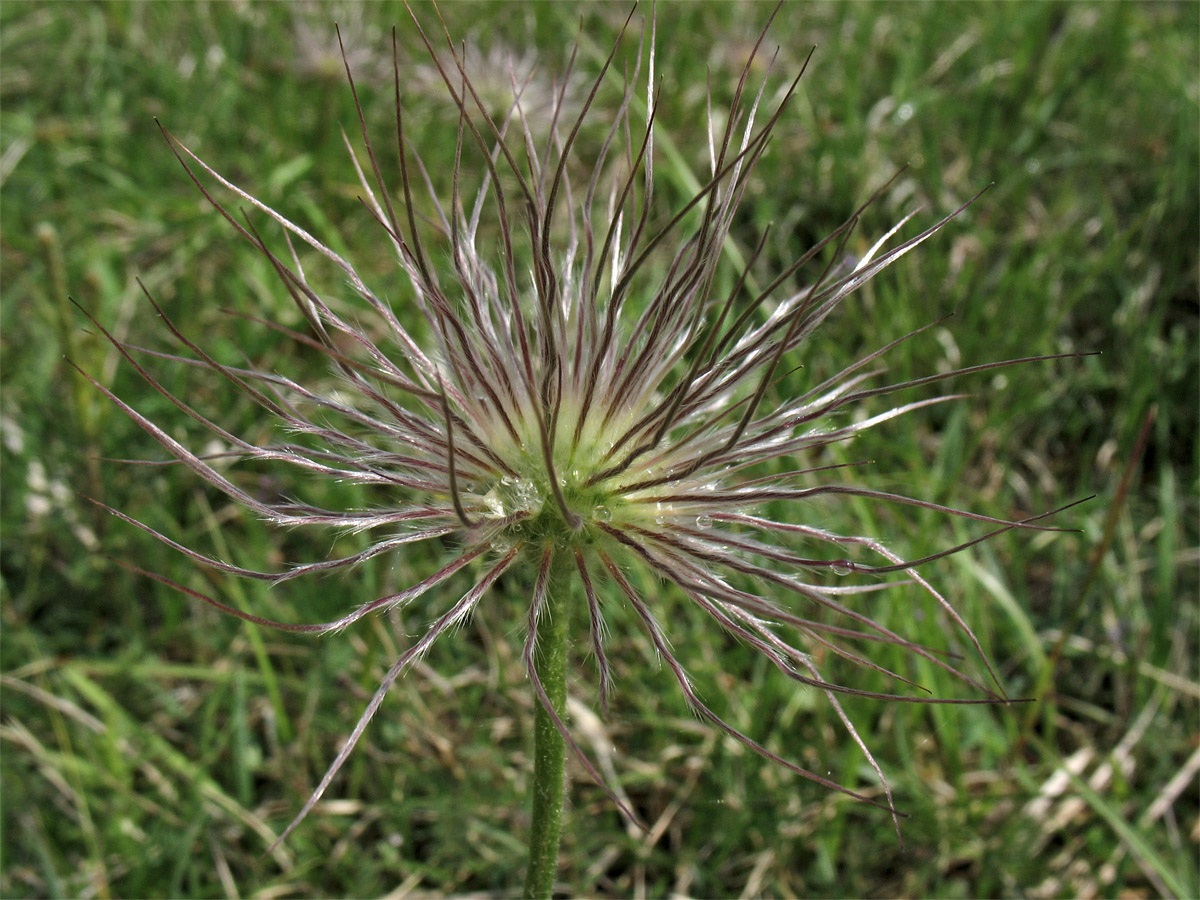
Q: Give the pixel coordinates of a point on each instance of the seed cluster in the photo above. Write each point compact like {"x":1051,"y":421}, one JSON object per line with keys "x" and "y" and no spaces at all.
{"x":589,"y":398}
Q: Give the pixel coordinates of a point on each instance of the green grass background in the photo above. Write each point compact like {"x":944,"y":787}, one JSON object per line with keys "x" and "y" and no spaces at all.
{"x":152,"y":748}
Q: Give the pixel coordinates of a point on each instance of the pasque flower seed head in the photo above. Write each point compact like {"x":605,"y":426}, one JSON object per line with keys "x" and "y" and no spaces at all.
{"x":561,"y":383}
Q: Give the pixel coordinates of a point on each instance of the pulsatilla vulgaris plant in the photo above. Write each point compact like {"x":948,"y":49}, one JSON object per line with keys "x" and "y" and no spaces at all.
{"x":557,"y":386}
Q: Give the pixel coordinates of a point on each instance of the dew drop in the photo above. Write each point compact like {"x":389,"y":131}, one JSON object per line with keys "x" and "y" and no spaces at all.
{"x":841,"y":567}
{"x":602,"y":513}
{"x":494,"y":503}
{"x":704,"y":521}
{"x":525,"y":494}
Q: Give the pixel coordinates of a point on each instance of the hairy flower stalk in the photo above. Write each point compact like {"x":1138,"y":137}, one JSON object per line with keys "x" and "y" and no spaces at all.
{"x":588,"y":405}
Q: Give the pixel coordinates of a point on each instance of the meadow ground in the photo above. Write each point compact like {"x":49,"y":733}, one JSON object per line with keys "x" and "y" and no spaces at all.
{"x":152,"y":747}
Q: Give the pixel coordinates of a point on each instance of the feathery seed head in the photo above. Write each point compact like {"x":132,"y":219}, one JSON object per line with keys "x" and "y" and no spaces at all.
{"x":593,"y":396}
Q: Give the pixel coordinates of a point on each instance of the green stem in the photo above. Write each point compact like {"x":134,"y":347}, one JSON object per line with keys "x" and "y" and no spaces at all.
{"x":549,"y":749}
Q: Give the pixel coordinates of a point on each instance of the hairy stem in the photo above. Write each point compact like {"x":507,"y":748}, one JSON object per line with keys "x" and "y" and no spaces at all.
{"x":550,"y":663}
